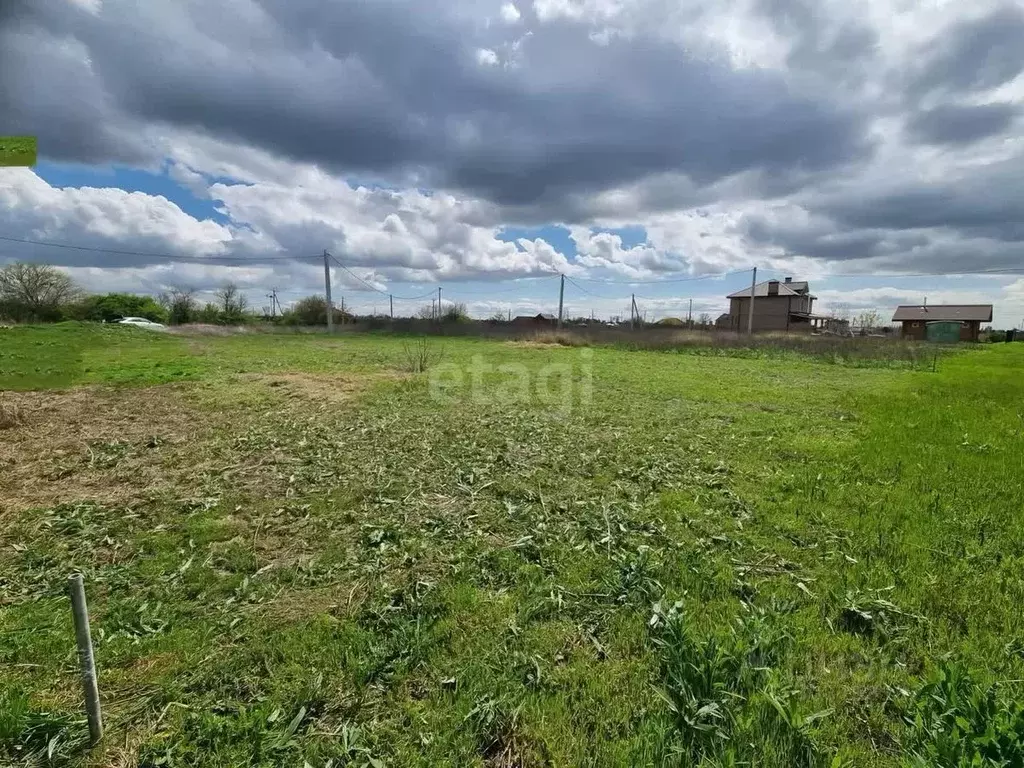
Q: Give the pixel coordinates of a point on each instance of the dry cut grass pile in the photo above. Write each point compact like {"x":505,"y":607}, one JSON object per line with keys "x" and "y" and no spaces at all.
{"x":118,"y":445}
{"x":107,"y":445}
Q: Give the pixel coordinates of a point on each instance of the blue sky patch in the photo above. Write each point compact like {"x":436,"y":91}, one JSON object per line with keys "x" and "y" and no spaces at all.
{"x":631,"y":236}
{"x":131,"y":180}
{"x":557,"y":236}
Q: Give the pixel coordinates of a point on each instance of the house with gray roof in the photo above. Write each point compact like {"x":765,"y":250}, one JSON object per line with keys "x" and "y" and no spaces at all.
{"x":786,"y":305}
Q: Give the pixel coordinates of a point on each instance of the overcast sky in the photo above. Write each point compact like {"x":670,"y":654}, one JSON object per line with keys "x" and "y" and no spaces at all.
{"x":488,"y":146}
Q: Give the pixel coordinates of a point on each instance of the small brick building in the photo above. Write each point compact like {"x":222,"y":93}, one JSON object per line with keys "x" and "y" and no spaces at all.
{"x":916,"y":319}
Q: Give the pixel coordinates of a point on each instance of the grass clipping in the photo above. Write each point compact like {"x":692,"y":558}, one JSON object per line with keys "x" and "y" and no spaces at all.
{"x":11,"y":415}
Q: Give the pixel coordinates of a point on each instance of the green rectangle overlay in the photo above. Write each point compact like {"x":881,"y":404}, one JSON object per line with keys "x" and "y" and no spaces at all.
{"x":17,"y":150}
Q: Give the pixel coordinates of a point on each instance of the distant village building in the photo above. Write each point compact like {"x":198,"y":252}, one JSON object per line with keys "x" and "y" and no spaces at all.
{"x":542,"y":319}
{"x":943,"y":322}
{"x":778,"y":306}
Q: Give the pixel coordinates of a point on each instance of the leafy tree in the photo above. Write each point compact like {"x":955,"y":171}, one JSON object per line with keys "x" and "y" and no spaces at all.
{"x":456,"y":313}
{"x":180,"y":304}
{"x":109,"y":307}
{"x":35,"y":292}
{"x":210,"y":314}
{"x":453,"y":313}
{"x":312,"y":310}
{"x":232,"y":304}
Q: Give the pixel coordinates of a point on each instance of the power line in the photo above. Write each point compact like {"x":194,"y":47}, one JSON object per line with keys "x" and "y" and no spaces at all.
{"x":589,"y":293}
{"x":357,"y":277}
{"x":411,"y":298}
{"x":375,"y":288}
{"x":255,"y":260}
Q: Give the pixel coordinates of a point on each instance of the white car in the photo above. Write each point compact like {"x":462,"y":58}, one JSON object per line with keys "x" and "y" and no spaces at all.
{"x":141,"y":322}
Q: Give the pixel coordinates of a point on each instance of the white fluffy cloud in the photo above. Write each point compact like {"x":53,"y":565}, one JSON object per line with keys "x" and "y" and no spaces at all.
{"x":104,"y":217}
{"x":510,"y":13}
{"x":382,"y":235}
{"x":486,"y":57}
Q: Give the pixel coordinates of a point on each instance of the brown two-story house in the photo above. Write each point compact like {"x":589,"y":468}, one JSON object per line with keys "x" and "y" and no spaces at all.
{"x":778,"y":306}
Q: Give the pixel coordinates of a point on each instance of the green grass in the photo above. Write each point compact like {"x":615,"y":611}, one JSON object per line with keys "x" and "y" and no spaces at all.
{"x":17,"y":150}
{"x":717,"y":560}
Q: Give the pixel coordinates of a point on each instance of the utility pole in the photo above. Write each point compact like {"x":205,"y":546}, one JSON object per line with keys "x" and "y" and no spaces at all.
{"x":753,"y":290}
{"x":391,"y":300}
{"x":561,"y":296}
{"x":689,"y":315}
{"x":273,"y":302}
{"x":634,"y":313}
{"x":439,"y":302}
{"x":327,"y":290}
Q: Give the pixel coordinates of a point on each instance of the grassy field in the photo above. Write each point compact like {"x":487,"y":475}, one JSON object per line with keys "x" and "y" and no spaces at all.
{"x":17,"y":150}
{"x":298,"y":552}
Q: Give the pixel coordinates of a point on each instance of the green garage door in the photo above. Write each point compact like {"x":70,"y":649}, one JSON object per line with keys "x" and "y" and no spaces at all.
{"x":947,"y":332}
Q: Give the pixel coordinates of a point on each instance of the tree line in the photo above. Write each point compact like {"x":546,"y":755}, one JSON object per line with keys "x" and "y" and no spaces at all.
{"x":40,"y":293}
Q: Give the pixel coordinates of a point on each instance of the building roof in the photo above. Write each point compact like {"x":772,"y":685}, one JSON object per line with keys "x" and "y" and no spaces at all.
{"x":785,"y":289}
{"x":938,"y":312}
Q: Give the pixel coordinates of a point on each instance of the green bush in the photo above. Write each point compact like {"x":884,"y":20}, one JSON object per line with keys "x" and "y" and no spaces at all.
{"x":456,"y":313}
{"x":110,"y":307}
{"x":210,"y":314}
{"x":312,"y":310}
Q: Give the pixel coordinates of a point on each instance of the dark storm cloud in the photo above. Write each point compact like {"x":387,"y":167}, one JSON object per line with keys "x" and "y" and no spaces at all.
{"x":815,"y":242}
{"x":394,"y":89}
{"x":974,"y":55}
{"x":935,"y":250}
{"x":990,"y":205}
{"x":959,"y":223}
{"x":818,"y":44}
{"x":47,"y":90}
{"x":961,"y":125}
{"x":631,"y":110}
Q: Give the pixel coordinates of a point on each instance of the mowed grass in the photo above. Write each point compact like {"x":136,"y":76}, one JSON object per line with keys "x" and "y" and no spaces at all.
{"x":655,"y":559}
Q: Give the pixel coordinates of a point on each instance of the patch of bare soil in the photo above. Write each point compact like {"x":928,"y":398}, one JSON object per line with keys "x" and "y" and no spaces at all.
{"x":94,"y":444}
{"x":322,"y":387}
